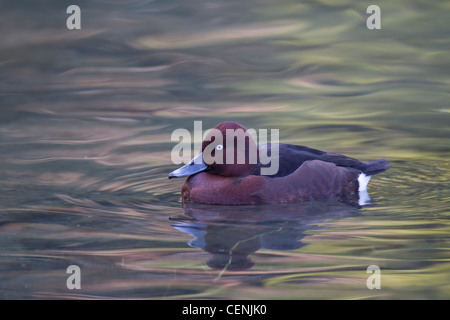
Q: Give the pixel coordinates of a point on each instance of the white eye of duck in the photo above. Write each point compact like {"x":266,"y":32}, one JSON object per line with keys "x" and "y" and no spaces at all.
{"x":219,"y":147}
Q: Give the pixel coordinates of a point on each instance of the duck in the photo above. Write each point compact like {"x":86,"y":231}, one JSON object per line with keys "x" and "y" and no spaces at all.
{"x":228,"y":173}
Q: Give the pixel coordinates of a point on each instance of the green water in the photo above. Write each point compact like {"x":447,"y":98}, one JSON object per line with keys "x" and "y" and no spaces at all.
{"x":86,"y":118}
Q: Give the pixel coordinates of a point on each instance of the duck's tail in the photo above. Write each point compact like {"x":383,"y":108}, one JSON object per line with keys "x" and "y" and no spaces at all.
{"x":369,"y":169}
{"x":374,"y":167}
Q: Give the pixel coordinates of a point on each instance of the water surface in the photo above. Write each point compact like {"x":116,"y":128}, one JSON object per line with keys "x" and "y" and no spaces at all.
{"x":87,"y":116}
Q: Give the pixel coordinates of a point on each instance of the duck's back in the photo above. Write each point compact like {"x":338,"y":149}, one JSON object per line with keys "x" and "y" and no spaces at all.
{"x":291,"y":157}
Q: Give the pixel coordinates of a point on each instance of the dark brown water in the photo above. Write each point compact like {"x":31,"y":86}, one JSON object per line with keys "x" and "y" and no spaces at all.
{"x":86,"y":118}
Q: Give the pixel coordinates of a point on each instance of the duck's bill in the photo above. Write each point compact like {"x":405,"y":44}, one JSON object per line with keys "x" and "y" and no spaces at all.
{"x":194,"y":166}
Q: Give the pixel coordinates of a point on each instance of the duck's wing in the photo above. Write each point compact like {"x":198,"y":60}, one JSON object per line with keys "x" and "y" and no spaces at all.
{"x":291,"y":157}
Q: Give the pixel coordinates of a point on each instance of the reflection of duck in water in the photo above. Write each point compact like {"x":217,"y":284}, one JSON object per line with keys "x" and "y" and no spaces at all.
{"x":231,"y":234}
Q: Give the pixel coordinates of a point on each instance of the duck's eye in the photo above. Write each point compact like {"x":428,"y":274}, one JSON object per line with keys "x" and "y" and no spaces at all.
{"x":219,"y":147}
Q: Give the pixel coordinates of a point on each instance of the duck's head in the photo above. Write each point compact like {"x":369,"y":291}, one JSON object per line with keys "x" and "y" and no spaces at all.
{"x":228,"y":150}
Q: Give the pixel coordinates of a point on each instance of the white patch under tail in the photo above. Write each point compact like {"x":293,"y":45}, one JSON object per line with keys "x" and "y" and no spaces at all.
{"x":363,"y":181}
{"x":364,"y":198}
